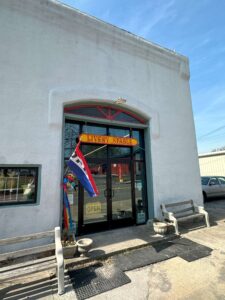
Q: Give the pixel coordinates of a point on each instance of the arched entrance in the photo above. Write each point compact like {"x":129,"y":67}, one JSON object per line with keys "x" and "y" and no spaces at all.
{"x":119,"y":171}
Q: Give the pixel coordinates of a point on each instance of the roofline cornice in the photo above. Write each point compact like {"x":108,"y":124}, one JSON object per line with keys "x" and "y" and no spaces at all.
{"x":216,"y":153}
{"x":124,"y":40}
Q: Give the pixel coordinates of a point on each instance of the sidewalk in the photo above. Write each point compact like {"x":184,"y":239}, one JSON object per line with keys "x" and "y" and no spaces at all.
{"x":171,"y":279}
{"x":109,"y":243}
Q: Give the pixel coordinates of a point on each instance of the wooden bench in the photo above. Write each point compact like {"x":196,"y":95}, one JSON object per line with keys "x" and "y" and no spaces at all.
{"x":181,"y":211}
{"x":13,"y":269}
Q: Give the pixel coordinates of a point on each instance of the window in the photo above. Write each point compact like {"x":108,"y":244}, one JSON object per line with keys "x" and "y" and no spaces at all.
{"x":18,"y":185}
{"x":222,"y":180}
{"x":213,"y":181}
{"x":205,"y":180}
{"x":105,"y":112}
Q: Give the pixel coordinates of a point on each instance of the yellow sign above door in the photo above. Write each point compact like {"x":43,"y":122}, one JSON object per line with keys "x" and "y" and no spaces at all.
{"x":107,"y":140}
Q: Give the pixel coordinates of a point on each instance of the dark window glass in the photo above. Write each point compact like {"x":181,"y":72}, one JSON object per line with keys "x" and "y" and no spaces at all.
{"x":119,"y":152}
{"x":92,"y":129}
{"x":121,"y":191}
{"x":87,"y":111}
{"x":18,"y":185}
{"x":222,"y":180}
{"x":94,"y":151}
{"x":205,"y":180}
{"x":125,"y":118}
{"x":214,"y":181}
{"x":139,"y":173}
{"x":95,"y":209}
{"x":71,"y":134}
{"x":105,"y":110}
{"x":119,"y":132}
{"x":113,"y":111}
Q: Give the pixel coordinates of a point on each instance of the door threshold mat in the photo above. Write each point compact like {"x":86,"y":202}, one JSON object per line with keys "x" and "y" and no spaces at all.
{"x":96,"y":279}
{"x":160,"y":251}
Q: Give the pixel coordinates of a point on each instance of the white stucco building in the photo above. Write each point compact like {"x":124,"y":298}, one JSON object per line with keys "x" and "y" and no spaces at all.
{"x":61,"y":74}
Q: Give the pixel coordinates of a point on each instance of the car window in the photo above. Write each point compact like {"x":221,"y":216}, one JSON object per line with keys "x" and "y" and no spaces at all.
{"x":205,"y":180}
{"x":222,"y":180}
{"x":214,"y":181}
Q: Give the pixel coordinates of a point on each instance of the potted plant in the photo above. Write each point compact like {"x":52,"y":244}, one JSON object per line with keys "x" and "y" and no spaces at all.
{"x":69,"y":245}
{"x":159,"y":226}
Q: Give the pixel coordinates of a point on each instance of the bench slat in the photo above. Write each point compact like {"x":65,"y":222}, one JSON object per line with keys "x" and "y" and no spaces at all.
{"x":32,"y":262}
{"x":24,"y":252}
{"x":179,"y":203}
{"x":25,"y":238}
{"x":189,"y":216}
{"x":183,"y":210}
{"x":27,"y":270}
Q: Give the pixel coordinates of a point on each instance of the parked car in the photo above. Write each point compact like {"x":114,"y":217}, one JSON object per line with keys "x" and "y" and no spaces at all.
{"x":213,"y":186}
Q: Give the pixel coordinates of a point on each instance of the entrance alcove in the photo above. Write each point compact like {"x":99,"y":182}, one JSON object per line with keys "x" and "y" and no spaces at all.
{"x":119,"y":171}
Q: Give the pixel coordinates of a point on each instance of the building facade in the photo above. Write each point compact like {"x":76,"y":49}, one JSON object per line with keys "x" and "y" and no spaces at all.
{"x":212,"y":164}
{"x":64,"y":73}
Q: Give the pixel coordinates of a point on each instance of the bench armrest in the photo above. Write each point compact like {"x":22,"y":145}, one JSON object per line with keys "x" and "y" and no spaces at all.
{"x":166,"y":214}
{"x":199,"y":209}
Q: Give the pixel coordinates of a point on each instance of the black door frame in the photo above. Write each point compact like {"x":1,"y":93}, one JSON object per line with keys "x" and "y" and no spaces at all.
{"x":109,"y":223}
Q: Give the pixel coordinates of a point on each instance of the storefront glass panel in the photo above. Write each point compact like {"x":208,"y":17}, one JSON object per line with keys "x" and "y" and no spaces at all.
{"x":140,"y":196}
{"x":71,"y":135}
{"x":95,"y":209}
{"x":119,"y":152}
{"x":121,"y":191}
{"x":138,"y":151}
{"x":99,"y":130}
{"x":94,"y":151}
{"x":119,"y":132}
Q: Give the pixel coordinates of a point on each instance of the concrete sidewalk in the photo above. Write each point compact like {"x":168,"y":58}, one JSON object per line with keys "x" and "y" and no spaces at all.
{"x":112,"y":242}
{"x":171,"y":279}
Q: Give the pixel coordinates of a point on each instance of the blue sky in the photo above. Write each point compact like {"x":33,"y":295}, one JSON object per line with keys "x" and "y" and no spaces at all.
{"x":193,"y":28}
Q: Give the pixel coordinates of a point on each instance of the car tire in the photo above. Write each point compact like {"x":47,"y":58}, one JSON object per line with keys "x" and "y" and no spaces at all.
{"x":204,"y":197}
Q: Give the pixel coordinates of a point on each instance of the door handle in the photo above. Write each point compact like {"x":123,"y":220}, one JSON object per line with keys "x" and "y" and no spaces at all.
{"x":112,"y":193}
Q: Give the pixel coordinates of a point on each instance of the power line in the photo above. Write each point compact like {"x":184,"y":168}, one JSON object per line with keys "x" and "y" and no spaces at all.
{"x":214,"y":136}
{"x":211,"y":132}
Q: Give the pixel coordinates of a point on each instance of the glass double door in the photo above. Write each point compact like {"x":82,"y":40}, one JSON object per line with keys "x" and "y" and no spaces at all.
{"x":114,"y":206}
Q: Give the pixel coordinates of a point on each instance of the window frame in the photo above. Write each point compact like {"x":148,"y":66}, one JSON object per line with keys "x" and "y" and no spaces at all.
{"x":35,"y":200}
